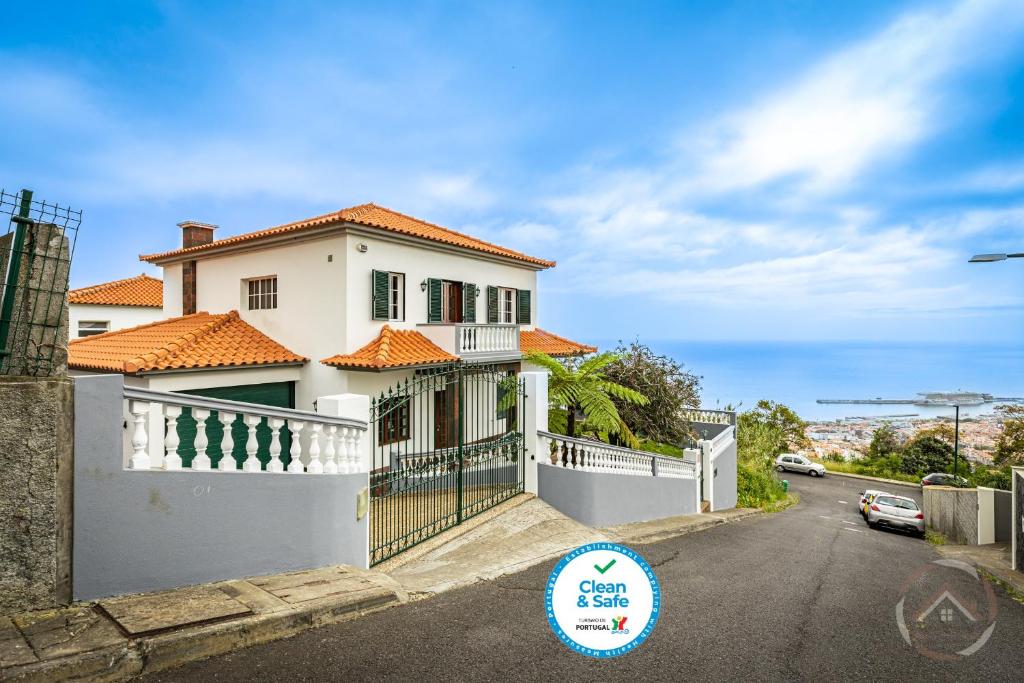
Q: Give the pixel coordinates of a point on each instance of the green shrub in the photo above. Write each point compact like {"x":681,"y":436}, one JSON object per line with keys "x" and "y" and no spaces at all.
{"x":757,"y":487}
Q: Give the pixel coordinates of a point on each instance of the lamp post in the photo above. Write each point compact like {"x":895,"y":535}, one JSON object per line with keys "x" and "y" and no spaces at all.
{"x":990,"y":258}
{"x":956,"y":442}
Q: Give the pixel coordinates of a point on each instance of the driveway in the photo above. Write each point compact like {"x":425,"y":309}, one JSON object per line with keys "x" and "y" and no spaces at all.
{"x":809,"y":593}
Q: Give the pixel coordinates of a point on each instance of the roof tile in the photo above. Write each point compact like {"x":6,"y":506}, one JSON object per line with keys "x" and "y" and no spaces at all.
{"x":200,"y":340}
{"x":369,"y":215}
{"x":393,"y":349}
{"x":142,"y":290}
{"x":551,"y":344}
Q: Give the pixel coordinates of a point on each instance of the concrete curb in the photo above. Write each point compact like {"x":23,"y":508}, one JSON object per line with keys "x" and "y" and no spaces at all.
{"x":644,"y":533}
{"x":889,"y":482}
{"x":160,"y":651}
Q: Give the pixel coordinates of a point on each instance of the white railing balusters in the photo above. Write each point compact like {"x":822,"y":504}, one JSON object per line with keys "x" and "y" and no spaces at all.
{"x":252,"y":463}
{"x":201,"y":461}
{"x":330,"y":466}
{"x":315,"y":466}
{"x":227,"y":443}
{"x":140,"y":438}
{"x":295,"y":427}
{"x":275,"y":464}
{"x":172,"y":461}
{"x":592,"y":456}
{"x":148,"y":411}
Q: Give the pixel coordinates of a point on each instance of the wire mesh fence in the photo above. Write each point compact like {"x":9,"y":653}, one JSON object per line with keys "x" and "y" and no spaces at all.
{"x":35,"y":259}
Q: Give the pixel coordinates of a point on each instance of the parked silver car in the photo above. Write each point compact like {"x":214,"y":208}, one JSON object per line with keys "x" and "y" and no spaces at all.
{"x":896,"y":512}
{"x":798,"y":463}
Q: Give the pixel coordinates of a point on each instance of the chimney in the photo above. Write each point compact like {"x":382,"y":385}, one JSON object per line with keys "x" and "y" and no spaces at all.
{"x":193,"y":234}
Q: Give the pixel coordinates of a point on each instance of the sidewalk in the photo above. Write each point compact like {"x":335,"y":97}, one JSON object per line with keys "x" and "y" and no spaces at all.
{"x":118,"y":638}
{"x":993,"y":558}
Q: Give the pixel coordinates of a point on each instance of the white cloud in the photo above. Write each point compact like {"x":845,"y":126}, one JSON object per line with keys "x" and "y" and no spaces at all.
{"x":864,"y":104}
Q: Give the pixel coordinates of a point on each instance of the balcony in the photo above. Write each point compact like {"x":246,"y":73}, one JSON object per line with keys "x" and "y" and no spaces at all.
{"x":475,"y":341}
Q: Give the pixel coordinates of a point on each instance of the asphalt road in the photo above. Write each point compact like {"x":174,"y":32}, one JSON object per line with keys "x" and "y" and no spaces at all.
{"x":809,"y":593}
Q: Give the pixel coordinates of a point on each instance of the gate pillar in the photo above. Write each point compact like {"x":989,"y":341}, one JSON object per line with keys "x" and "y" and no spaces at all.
{"x":536,"y":419}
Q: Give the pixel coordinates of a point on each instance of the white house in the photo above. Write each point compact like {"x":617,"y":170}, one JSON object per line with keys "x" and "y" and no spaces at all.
{"x":114,"y":305}
{"x":348,"y":302}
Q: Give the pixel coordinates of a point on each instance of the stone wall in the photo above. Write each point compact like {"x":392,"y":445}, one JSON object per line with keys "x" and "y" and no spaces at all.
{"x":952,"y":512}
{"x":36,"y":465}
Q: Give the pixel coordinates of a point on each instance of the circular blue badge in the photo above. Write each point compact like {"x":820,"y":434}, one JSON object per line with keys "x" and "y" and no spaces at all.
{"x":602,"y":600}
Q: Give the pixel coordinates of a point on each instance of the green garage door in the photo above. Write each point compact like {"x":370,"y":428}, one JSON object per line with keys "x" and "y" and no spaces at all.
{"x":278,"y":394}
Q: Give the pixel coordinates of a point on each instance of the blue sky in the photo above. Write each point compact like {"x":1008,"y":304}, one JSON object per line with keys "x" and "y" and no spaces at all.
{"x":708,"y":170}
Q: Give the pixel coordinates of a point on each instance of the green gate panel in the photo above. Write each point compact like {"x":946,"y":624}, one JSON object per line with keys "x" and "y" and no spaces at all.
{"x":277,"y":394}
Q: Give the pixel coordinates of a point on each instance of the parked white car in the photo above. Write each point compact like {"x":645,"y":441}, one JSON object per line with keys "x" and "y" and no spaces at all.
{"x":798,"y":463}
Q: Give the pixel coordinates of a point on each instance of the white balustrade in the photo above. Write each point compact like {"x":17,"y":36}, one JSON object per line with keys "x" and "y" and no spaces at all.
{"x":295,"y":427}
{"x":153,"y":418}
{"x":201,"y":461}
{"x":593,"y":456}
{"x":275,"y":464}
{"x":708,"y":416}
{"x":227,"y":443}
{"x":252,"y":463}
{"x":486,"y":339}
{"x":172,"y":461}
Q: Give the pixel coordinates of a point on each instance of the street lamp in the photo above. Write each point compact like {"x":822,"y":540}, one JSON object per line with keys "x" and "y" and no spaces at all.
{"x":989,"y":258}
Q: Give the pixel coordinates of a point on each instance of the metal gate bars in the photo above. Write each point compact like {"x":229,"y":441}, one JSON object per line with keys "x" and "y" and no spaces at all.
{"x":446,"y":444}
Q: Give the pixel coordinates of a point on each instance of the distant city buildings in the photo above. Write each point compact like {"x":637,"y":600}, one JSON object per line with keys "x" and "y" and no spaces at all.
{"x":850,"y":437}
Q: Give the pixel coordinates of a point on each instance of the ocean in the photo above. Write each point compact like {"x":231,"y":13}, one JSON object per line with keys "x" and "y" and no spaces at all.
{"x":797,"y":374}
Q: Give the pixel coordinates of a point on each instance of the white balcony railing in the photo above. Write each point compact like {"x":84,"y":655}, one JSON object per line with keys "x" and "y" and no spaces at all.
{"x":593,"y":456}
{"x":252,"y":436}
{"x":475,"y":341}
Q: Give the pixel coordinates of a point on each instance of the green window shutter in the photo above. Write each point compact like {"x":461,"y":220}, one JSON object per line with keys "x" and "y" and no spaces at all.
{"x":433,"y":300}
{"x":379,"y":298}
{"x":523,"y":306}
{"x":468,"y":302}
{"x":492,"y":304}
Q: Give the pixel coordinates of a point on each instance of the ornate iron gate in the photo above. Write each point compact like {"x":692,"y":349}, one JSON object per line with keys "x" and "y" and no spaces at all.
{"x":446,"y":444}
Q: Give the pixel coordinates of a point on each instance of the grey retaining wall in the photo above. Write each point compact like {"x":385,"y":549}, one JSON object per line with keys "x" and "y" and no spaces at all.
{"x":139,"y":531}
{"x":599,"y":499}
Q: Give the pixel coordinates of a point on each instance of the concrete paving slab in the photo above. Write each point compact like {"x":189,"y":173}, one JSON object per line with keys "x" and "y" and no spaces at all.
{"x":992,"y":557}
{"x":256,"y":599}
{"x":519,"y":538}
{"x":669,"y":527}
{"x":68,"y":631}
{"x":313,"y":584}
{"x":140,"y":614}
{"x":14,"y":649}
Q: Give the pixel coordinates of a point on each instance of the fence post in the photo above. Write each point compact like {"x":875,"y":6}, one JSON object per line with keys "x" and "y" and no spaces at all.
{"x":1017,"y":529}
{"x":536,"y":386}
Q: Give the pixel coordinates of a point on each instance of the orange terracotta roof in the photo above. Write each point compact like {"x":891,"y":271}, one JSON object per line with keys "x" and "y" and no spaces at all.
{"x":393,"y":349}
{"x":200,"y":340}
{"x":369,"y":215}
{"x":142,"y":290}
{"x":551,"y":344}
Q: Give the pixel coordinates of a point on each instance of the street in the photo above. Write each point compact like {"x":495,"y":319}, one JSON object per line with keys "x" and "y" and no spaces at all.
{"x":809,"y":593}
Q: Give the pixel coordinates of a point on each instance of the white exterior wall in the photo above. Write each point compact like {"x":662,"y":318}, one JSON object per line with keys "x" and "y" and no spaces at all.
{"x":418,"y":263}
{"x":323,"y":307}
{"x":119,"y":317}
{"x":309,"y":318}
{"x":172,"y":291}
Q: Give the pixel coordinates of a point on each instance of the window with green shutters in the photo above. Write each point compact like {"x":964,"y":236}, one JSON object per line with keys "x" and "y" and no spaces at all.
{"x":523,"y":307}
{"x":387,"y":299}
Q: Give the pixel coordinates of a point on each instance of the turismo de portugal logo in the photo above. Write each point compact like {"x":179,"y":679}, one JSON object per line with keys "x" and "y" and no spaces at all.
{"x":602,"y":600}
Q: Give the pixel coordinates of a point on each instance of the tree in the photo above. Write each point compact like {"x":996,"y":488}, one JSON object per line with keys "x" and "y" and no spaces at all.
{"x":668,"y":387}
{"x":791,"y":429}
{"x":1010,"y":444}
{"x":884,"y":442}
{"x":926,"y":454}
{"x":581,"y":385}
